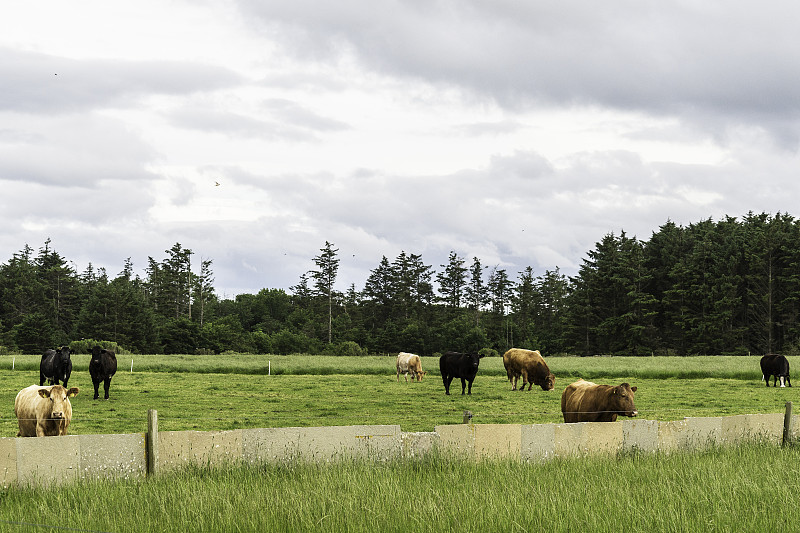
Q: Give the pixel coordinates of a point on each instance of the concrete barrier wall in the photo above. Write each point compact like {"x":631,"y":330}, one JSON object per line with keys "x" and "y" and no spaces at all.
{"x":54,"y":460}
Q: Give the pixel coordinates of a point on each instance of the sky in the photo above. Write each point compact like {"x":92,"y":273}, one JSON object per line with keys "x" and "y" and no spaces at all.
{"x":519,"y":132}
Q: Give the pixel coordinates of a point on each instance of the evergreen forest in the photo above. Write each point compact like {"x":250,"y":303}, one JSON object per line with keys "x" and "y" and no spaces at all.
{"x":726,"y":287}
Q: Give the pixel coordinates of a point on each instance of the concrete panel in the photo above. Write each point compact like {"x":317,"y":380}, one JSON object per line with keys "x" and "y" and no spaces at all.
{"x":176,"y":448}
{"x":703,"y":431}
{"x":671,"y":435}
{"x":270,"y":444}
{"x":112,"y":456}
{"x":601,"y":437}
{"x":498,"y":440}
{"x":538,"y":442}
{"x":337,"y":442}
{"x":587,"y":438}
{"x":640,"y":435}
{"x":567,"y":439}
{"x":8,"y":461}
{"x":48,"y":461}
{"x":418,"y":444}
{"x":458,"y":439}
{"x":739,"y":428}
{"x":322,"y":443}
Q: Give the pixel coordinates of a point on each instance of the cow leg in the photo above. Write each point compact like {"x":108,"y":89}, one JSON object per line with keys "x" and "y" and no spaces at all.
{"x":464,"y":386}
{"x":446,"y":380}
{"x":96,"y":386}
{"x":106,"y":386}
{"x":783,"y":382}
{"x":469,"y":391}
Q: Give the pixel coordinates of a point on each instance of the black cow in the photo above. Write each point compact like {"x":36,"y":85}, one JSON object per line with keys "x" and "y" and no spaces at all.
{"x":459,"y":365}
{"x":55,"y":366}
{"x":776,"y":365}
{"x":102,"y":367}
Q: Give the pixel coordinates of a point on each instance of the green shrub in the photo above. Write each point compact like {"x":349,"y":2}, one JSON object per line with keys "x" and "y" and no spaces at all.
{"x":488,"y":352}
{"x":86,"y":345}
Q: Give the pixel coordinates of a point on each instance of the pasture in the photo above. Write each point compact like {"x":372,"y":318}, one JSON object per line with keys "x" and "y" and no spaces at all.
{"x":234,"y":391}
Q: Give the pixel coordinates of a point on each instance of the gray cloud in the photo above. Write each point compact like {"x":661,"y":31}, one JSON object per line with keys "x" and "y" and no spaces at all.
{"x":727,"y":62}
{"x":39,"y":83}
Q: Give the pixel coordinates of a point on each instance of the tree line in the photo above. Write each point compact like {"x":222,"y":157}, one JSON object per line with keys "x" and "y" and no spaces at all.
{"x":713,"y":287}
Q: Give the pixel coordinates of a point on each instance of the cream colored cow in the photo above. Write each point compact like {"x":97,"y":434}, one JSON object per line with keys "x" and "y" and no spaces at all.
{"x":44,"y":411}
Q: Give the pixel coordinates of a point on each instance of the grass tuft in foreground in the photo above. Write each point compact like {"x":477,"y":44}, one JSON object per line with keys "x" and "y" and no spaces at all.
{"x":747,"y":488}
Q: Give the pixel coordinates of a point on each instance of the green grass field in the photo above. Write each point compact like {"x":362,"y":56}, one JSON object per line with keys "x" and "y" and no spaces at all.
{"x":228,"y":392}
{"x":747,"y":488}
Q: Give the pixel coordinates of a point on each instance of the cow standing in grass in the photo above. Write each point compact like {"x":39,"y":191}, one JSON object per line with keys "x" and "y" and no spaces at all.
{"x":778,"y":366}
{"x":459,"y":365}
{"x":56,"y":365}
{"x":102,"y":367}
{"x":409,"y":363}
{"x":531,"y":366}
{"x":44,"y":411}
{"x":584,"y":401}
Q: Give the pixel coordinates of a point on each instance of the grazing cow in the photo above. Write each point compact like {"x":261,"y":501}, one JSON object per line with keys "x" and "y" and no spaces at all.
{"x":775,"y":365}
{"x":459,"y":365}
{"x":55,"y":366}
{"x":409,"y":362}
{"x":584,"y":401}
{"x":531,"y":366}
{"x":102,"y":367}
{"x":44,"y":411}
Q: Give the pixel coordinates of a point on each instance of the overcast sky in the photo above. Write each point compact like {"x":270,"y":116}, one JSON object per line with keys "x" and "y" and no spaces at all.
{"x":516,"y":131}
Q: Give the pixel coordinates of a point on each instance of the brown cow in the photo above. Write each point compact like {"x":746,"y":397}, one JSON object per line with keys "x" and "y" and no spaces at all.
{"x":531,"y":366}
{"x":409,"y":362}
{"x":584,"y":401}
{"x":44,"y":411}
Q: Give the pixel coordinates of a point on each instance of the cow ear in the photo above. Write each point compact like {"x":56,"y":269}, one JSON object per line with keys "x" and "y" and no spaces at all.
{"x":72,"y":392}
{"x":44,"y":393}
{"x":633,"y":389}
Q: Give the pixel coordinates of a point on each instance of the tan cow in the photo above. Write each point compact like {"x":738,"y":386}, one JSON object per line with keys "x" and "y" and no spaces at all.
{"x":44,"y":411}
{"x":584,"y":401}
{"x":409,"y":362}
{"x":531,"y":366}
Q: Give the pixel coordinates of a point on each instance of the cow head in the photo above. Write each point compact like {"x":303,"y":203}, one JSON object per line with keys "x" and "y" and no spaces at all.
{"x":59,"y":399}
{"x":474,"y":360}
{"x":622,"y":400}
{"x":549,"y":383}
{"x":63,"y":355}
{"x":420,"y":375}
{"x":96,"y":351}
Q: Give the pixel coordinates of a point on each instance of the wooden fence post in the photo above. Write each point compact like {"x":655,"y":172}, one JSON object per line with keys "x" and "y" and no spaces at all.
{"x":468,"y":417}
{"x":152,"y":441}
{"x":787,"y":424}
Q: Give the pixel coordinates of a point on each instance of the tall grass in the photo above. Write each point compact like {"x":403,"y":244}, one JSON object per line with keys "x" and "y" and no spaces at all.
{"x":748,"y":488}
{"x":730,"y":367}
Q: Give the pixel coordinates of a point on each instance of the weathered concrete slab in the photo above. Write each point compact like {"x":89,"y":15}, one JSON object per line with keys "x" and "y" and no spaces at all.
{"x":587,"y":438}
{"x":112,"y":456}
{"x":48,"y":461}
{"x":538,"y":442}
{"x":418,"y":444}
{"x":270,"y":444}
{"x":8,"y":461}
{"x":567,"y":439}
{"x":322,"y":443}
{"x":498,"y":440}
{"x":458,"y":439}
{"x":759,"y":427}
{"x":364,"y":442}
{"x":640,"y":435}
{"x":176,"y":448}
